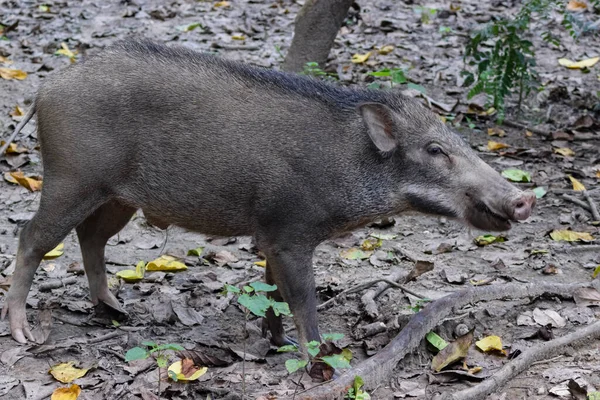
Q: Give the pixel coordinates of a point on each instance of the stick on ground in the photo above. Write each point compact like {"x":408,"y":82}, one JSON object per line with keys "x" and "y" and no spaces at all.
{"x":524,"y":361}
{"x":593,"y":208}
{"x":378,"y":369}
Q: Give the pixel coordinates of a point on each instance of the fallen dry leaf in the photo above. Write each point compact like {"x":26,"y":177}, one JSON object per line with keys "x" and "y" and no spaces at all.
{"x":65,"y":51}
{"x":185,"y":370}
{"x":5,"y":60}
{"x":66,"y":372}
{"x":14,"y":149}
{"x":355,"y":254}
{"x":33,"y":184}
{"x":576,"y":5}
{"x":385,"y":49}
{"x":371,"y":244}
{"x":55,"y":252}
{"x":130,"y":275}
{"x":490,"y":343}
{"x":419,"y":269}
{"x":548,"y":317}
{"x":262,"y":263}
{"x":453,"y":352}
{"x":586,"y":297}
{"x":17,"y":112}
{"x":238,"y":37}
{"x":221,"y":4}
{"x":570,"y":236}
{"x":166,"y":263}
{"x":493,"y":146}
{"x":587,"y":63}
{"x":565,"y":151}
{"x":360,"y":58}
{"x":66,"y":393}
{"x":496,"y":132}
{"x":577,"y":186}
{"x":9,"y":73}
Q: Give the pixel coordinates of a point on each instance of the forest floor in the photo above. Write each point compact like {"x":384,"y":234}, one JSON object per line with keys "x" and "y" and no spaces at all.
{"x":187,"y":308}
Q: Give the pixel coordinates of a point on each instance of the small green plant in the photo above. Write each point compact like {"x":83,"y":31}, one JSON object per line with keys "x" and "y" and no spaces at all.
{"x":335,"y":361}
{"x":425,"y":13}
{"x":396,"y":76}
{"x":312,"y":69}
{"x":153,"y":349}
{"x":356,"y":392}
{"x":419,"y":304}
{"x":508,"y":66}
{"x":254,"y":300}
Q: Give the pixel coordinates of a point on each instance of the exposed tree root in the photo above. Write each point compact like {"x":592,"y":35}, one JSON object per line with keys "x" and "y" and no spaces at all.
{"x":520,"y":364}
{"x":378,"y":369}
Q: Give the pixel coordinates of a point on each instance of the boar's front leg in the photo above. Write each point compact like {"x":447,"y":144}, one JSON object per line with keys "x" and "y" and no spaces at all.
{"x":290,"y":268}
{"x":273,"y":323}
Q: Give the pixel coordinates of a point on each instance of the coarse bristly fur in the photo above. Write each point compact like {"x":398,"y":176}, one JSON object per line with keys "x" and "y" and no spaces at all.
{"x":223,"y":148}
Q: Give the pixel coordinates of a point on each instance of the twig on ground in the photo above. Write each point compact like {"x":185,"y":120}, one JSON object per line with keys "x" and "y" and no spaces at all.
{"x":575,"y":200}
{"x":113,"y":352}
{"x":524,"y":361}
{"x":57,"y":283}
{"x":225,"y":46}
{"x":378,"y":369}
{"x":363,"y":286}
{"x":577,"y":248}
{"x":106,"y":337}
{"x":593,"y":207}
{"x":518,"y":125}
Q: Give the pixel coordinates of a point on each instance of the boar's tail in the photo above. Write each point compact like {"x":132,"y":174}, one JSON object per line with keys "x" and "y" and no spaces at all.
{"x":18,"y":129}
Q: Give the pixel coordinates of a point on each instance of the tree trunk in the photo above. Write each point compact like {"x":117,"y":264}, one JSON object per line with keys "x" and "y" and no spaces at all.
{"x":317,"y":25}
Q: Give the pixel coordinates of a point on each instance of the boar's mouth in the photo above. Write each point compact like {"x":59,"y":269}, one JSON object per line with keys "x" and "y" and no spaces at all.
{"x":482,"y":217}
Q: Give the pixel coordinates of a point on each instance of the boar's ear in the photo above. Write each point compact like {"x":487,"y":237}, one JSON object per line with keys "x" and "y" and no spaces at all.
{"x":379,"y":123}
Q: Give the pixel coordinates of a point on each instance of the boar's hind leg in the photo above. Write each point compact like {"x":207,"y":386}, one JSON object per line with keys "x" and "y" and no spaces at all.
{"x":62,"y":207}
{"x":93,"y":233}
{"x":291,"y":270}
{"x":272,"y":322}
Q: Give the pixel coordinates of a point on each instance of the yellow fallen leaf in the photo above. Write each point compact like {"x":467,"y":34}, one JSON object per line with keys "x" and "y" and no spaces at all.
{"x":385,"y":50}
{"x":129,"y":275}
{"x":17,"y":112}
{"x":453,"y":352}
{"x":221,"y":4}
{"x":185,"y":370}
{"x":9,"y":73}
{"x":55,"y":252}
{"x":262,"y":263}
{"x":5,"y":60}
{"x":570,"y":236}
{"x":565,"y":151}
{"x":238,"y":37}
{"x":577,"y":186}
{"x":576,"y":5}
{"x":65,"y":51}
{"x":474,"y":370}
{"x":493,"y":146}
{"x":371,"y":244}
{"x":66,"y":393}
{"x":166,"y":263}
{"x":496,"y":132}
{"x":360,"y":58}
{"x":598,"y":174}
{"x":528,"y":133}
{"x":13,"y":149}
{"x":31,"y":183}
{"x":66,"y":372}
{"x":490,"y":343}
{"x":587,"y":63}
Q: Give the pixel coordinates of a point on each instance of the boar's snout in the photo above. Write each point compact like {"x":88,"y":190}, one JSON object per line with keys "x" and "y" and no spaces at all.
{"x":521,"y":207}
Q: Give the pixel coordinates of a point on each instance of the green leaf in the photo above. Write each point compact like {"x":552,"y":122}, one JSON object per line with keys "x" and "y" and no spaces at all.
{"x":516,"y":175}
{"x":248,"y":289}
{"x":293,"y":365}
{"x":383,"y":236}
{"x":593,"y":396}
{"x":436,"y":341}
{"x":169,"y":346}
{"x":596,"y":272}
{"x":263,"y":287}
{"x":288,"y":348}
{"x":484,"y":240}
{"x":148,"y":343}
{"x":332,"y":336}
{"x":161,"y":362}
{"x":337,"y":361}
{"x":416,"y":87}
{"x":398,"y":76}
{"x":136,"y":353}
{"x":539,"y":192}
{"x":190,"y":27}
{"x":256,"y":304}
{"x":281,"y":308}
{"x":195,"y":252}
{"x":230,"y":289}
{"x":380,"y":73}
{"x":313,"y":348}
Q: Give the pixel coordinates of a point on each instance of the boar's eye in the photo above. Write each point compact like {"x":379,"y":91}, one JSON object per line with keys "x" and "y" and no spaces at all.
{"x":435,"y":149}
